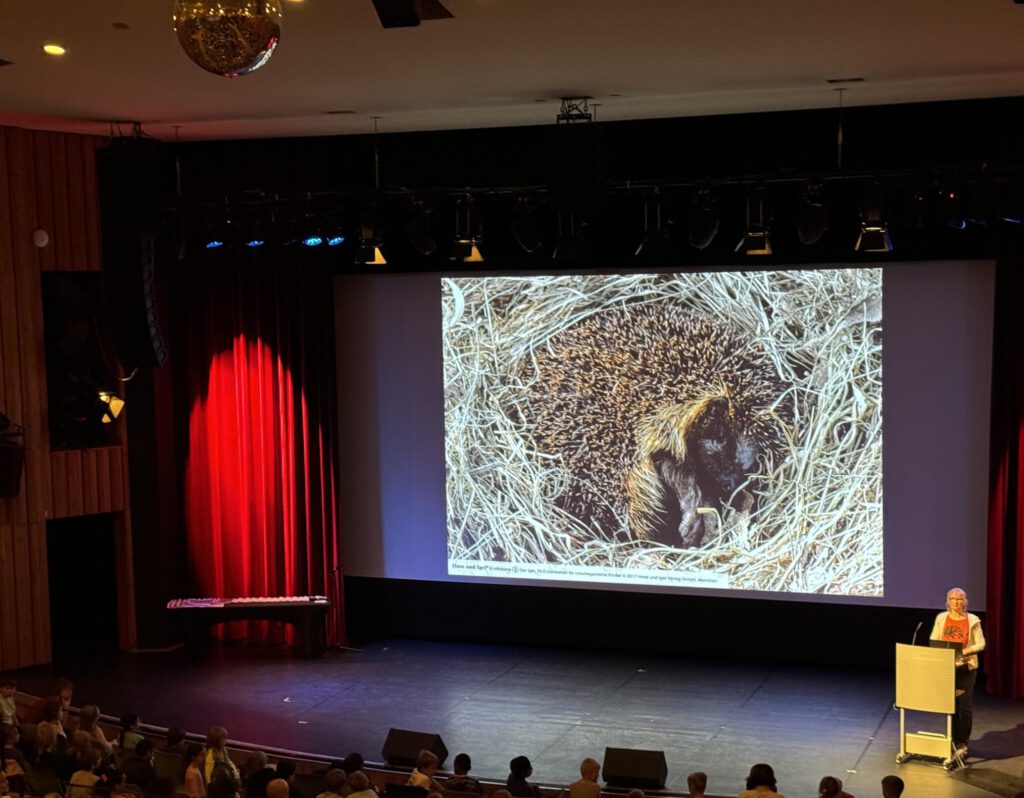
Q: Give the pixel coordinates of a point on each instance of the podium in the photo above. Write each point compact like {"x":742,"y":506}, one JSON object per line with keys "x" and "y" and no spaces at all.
{"x":926,"y":682}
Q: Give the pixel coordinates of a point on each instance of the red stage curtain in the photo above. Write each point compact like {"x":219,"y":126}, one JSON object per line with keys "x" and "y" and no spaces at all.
{"x":260,"y":471}
{"x":1004,"y":615}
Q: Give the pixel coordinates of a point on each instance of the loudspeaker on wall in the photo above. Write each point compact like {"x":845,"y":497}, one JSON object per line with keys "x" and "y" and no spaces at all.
{"x":130,"y":208}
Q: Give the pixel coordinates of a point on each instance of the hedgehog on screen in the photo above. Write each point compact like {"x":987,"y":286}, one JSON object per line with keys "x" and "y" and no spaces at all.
{"x":656,"y":412}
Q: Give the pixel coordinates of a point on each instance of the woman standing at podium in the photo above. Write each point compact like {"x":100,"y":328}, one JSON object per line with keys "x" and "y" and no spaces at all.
{"x":956,"y":625}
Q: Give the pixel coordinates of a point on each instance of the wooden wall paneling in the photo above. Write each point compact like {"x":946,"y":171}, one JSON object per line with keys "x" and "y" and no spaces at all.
{"x":8,"y":608}
{"x":61,"y":235}
{"x":104,"y":476}
{"x":90,"y":477}
{"x":25,"y":577}
{"x":91,"y":202}
{"x":29,"y":296}
{"x":44,"y":182}
{"x":39,"y":590}
{"x":76,"y":503}
{"x":76,"y":188}
{"x":8,"y":321}
{"x":12,"y":311}
{"x":118,"y":495}
{"x":59,"y":484}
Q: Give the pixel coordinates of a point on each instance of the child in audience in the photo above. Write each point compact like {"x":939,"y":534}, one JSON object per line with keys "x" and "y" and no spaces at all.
{"x":63,"y":690}
{"x":10,"y":736}
{"x":636,"y":792}
{"x":520,"y":770}
{"x":217,"y":754}
{"x":831,"y":787}
{"x":88,"y":722}
{"x":760,"y":783}
{"x":255,"y":775}
{"x":892,"y":787}
{"x":84,"y":780}
{"x":423,"y":774}
{"x":697,"y":784}
{"x":195,"y":787}
{"x":334,"y":782}
{"x":175,"y":742}
{"x":587,"y":786}
{"x":130,"y":735}
{"x":361,"y":785}
{"x":139,"y":768}
{"x":8,"y":709}
{"x":461,"y":781}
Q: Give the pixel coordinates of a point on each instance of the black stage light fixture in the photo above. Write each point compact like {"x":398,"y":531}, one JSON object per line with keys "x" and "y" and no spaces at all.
{"x":656,"y":245}
{"x":525,"y":229}
{"x":467,"y":233}
{"x":812,"y":215}
{"x":572,"y":242}
{"x":703,"y":218}
{"x":420,"y":229}
{"x":874,"y":232}
{"x":757,"y":238}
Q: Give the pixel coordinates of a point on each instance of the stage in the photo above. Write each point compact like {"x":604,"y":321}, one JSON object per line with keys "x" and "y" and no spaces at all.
{"x":556,"y":707}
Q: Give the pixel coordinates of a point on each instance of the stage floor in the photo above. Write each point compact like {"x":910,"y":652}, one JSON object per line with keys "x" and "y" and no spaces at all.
{"x":556,"y":707}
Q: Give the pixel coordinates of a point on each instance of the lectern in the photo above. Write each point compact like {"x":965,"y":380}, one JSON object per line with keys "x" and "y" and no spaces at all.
{"x":925,"y":682}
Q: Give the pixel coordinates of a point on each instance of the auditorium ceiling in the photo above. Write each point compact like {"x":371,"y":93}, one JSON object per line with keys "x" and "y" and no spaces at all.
{"x":501,"y":62}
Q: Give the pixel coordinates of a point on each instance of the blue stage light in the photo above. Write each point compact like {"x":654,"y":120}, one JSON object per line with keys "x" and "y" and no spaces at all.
{"x":256,"y":242}
{"x":214,"y":244}
{"x":335,"y":241}
{"x":312,"y":241}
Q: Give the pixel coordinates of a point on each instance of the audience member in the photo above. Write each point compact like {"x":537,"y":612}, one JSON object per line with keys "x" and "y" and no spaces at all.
{"x":761,"y":783}
{"x":138,"y":768}
{"x":277,"y":788}
{"x":587,"y":786}
{"x":423,"y":774}
{"x":175,"y":741}
{"x":831,"y":787}
{"x":84,"y":780}
{"x":8,"y":708}
{"x":217,"y":754}
{"x":335,"y":781}
{"x":697,"y":784}
{"x":10,"y":736}
{"x":129,"y":736}
{"x":285,"y":769}
{"x":51,"y":715}
{"x":892,"y":787}
{"x":501,"y":794}
{"x":352,"y":763}
{"x":223,"y":782}
{"x":195,"y":785}
{"x":255,"y":775}
{"x":360,"y":785}
{"x":520,"y":770}
{"x":88,"y":722}
{"x":63,"y":689}
{"x":636,"y":792}
{"x":461,"y":781}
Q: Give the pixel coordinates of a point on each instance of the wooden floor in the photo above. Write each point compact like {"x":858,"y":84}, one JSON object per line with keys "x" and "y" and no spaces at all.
{"x":556,"y":707}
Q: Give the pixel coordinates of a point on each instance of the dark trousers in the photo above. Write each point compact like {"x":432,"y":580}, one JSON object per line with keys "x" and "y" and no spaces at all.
{"x":963,"y":719}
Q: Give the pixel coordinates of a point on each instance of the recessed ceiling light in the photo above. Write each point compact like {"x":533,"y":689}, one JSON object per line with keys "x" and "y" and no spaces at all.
{"x":52,"y":48}
{"x":844,"y":80}
{"x":121,"y":26}
{"x":342,"y":111}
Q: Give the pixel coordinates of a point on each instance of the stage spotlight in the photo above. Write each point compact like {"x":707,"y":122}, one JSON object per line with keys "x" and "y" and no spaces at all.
{"x":370,"y":253}
{"x":572,"y":243}
{"x":703,"y":219}
{"x":812,"y":215}
{"x":467,"y":233}
{"x":420,"y":229}
{"x":656,"y":245}
{"x":874,"y":232}
{"x":335,"y":240}
{"x":756,"y":240}
{"x":218,"y":228}
{"x":524,"y":226}
{"x":110,"y":407}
